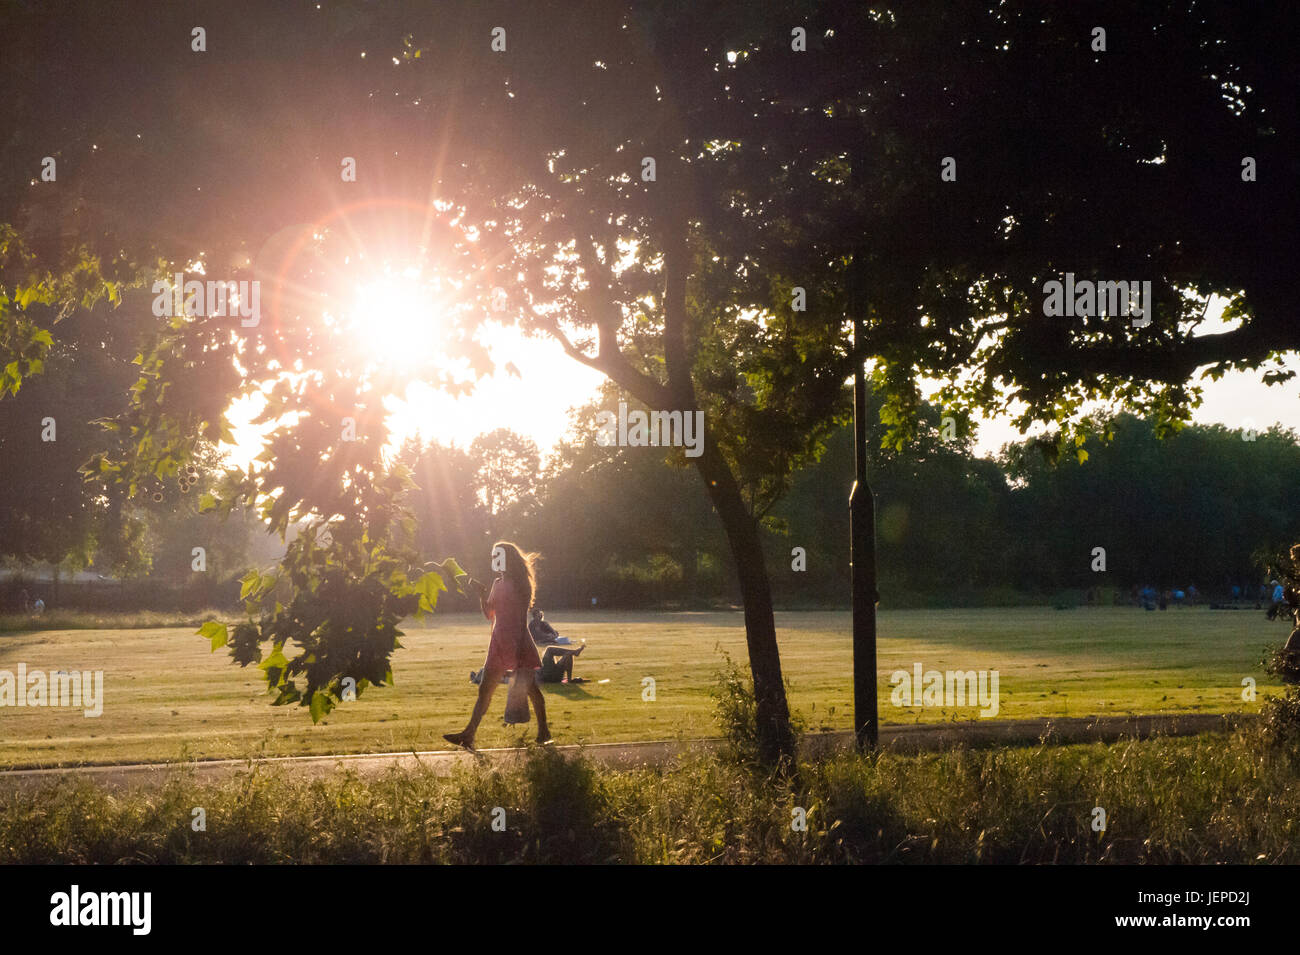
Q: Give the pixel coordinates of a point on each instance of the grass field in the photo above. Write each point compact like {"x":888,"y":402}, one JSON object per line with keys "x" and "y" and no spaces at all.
{"x":166,"y":695}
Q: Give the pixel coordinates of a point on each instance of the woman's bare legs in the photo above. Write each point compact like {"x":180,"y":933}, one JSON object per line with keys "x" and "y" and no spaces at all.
{"x":491,"y":677}
{"x":539,"y":704}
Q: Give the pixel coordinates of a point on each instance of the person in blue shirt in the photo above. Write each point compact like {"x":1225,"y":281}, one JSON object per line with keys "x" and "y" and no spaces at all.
{"x":1279,"y":600}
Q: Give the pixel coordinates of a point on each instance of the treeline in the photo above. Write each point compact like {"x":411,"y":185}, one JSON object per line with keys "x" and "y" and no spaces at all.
{"x":1203,"y":507}
{"x":633,"y":526}
{"x":625,"y":526}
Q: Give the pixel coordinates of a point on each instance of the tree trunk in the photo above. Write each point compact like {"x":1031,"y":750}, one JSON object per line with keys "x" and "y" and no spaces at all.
{"x":775,"y":737}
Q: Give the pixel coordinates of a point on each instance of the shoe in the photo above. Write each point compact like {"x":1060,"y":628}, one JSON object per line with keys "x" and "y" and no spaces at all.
{"x":475,"y":678}
{"x":458,"y":739}
{"x":544,"y":741}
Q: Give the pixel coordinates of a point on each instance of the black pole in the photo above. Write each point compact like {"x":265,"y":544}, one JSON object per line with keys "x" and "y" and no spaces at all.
{"x":862,"y":529}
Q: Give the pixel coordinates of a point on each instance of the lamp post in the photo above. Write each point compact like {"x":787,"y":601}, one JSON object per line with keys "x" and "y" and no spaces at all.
{"x":862,"y":532}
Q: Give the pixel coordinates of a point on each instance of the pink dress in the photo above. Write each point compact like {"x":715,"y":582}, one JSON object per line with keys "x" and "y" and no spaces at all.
{"x":511,"y":648}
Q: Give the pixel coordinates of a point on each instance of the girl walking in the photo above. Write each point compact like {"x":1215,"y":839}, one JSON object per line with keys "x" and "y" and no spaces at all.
{"x":511,"y":648}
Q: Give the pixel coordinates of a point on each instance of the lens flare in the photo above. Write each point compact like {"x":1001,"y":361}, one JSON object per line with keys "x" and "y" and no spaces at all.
{"x":395,"y":319}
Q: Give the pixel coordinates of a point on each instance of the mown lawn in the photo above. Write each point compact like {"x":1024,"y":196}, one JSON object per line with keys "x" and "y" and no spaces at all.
{"x":167,"y":695}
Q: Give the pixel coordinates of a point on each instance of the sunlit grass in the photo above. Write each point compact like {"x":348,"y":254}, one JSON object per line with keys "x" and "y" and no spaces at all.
{"x":164,"y":690}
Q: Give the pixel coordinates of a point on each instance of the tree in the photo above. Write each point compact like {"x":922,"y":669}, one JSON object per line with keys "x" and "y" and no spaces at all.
{"x":49,"y":513}
{"x":508,"y":466}
{"x":449,"y":516}
{"x":942,"y":512}
{"x":176,"y":526}
{"x":1192,"y":508}
{"x":607,"y":510}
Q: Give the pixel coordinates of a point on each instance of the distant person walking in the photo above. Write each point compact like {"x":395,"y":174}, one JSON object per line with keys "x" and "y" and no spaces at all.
{"x":510,"y":648}
{"x":1279,"y":600}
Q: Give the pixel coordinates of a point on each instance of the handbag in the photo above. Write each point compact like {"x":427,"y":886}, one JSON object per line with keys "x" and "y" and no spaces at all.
{"x":517,"y":710}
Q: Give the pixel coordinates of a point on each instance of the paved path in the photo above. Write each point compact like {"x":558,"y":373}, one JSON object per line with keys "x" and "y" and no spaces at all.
{"x":906,"y":738}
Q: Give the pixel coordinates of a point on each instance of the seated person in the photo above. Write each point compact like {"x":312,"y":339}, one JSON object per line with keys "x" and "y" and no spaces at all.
{"x":557,"y":664}
{"x":543,"y":633}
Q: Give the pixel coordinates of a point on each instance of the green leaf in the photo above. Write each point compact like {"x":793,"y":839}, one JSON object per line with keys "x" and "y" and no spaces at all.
{"x":44,"y":337}
{"x":216,"y":632}
{"x":287,"y":694}
{"x":208,"y":502}
{"x":249,"y":580}
{"x":276,"y":659}
{"x":428,"y":588}
{"x":320,"y":706}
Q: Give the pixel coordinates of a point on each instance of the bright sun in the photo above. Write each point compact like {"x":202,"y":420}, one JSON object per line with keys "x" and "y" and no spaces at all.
{"x":395,"y":319}
{"x":403,"y":320}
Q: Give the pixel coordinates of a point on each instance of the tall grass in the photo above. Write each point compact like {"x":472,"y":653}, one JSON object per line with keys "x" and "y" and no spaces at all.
{"x":1217,"y":798}
{"x":1208,"y":799}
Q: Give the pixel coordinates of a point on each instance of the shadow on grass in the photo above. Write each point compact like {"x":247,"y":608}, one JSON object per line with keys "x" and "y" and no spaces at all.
{"x":569,"y":691}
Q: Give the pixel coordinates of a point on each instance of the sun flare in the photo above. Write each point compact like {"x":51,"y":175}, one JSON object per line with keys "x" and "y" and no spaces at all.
{"x":396,"y":319}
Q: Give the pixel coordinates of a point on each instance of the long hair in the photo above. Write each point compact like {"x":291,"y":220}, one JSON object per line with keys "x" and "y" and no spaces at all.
{"x":519,"y":569}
